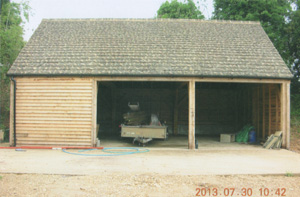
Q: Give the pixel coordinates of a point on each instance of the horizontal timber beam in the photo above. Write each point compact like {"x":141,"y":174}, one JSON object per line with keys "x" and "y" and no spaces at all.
{"x":171,"y":79}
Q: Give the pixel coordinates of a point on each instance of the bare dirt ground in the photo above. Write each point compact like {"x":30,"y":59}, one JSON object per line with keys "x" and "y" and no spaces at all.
{"x":144,"y":185}
{"x":295,"y":139}
{"x":152,"y":184}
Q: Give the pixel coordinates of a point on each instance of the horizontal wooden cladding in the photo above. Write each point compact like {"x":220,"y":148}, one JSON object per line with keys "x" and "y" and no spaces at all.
{"x":51,"y":112}
{"x":65,"y":130}
{"x":53,"y":90}
{"x":53,"y":94}
{"x":53,"y":117}
{"x":56,"y":99}
{"x":62,"y":80}
{"x":56,"y":139}
{"x":53,"y":84}
{"x":42,"y":135}
{"x":55,"y":108}
{"x":54,"y":111}
{"x":52,"y":143}
{"x":58,"y":87}
{"x":52,"y":125}
{"x":52,"y":104}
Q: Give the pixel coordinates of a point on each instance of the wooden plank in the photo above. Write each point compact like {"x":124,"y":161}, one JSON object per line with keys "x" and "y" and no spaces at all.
{"x":257,"y":110}
{"x":84,"y":132}
{"x":41,"y":125}
{"x":53,"y":99}
{"x":53,"y":119}
{"x":277,"y":108}
{"x":192,"y":111}
{"x":36,"y":143}
{"x":35,"y":84}
{"x":52,"y":91}
{"x":264,"y":112}
{"x":64,"y":104}
{"x":54,"y":122}
{"x":49,"y":87}
{"x":187,"y":79}
{"x":57,"y":139}
{"x":56,"y":108}
{"x":94,"y":113}
{"x":53,"y":94}
{"x":11,"y":115}
{"x":177,"y":79}
{"x":43,"y":102}
{"x":50,"y":112}
{"x":54,"y":135}
{"x":54,"y":79}
{"x":175,"y":129}
{"x":270,"y":113}
{"x":60,"y":116}
{"x":288,"y":118}
{"x":283,"y":111}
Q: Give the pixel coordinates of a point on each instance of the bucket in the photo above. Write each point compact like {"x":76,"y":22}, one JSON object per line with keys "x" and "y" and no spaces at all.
{"x":252,"y":136}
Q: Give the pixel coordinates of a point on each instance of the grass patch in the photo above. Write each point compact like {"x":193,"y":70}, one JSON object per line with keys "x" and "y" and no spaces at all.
{"x":1,"y":178}
{"x":289,"y":174}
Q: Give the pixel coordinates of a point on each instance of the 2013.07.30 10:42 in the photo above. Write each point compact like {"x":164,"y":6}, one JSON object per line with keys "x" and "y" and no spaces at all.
{"x":242,"y":192}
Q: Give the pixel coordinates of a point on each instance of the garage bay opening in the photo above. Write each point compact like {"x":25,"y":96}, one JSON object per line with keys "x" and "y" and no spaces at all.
{"x":156,"y":114}
{"x":142,"y":113}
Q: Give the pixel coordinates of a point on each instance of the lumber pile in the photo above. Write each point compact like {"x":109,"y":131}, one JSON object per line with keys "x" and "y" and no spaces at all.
{"x":274,"y":141}
{"x":136,"y":118}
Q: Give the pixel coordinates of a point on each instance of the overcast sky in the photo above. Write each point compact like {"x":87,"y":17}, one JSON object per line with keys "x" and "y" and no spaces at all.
{"x":97,"y":9}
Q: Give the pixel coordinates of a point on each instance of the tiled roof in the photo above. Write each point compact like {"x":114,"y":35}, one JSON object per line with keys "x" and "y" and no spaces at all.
{"x":150,"y":47}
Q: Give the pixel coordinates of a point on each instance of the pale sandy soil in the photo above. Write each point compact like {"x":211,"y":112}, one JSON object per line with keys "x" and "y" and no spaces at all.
{"x":141,"y":185}
{"x":295,"y":141}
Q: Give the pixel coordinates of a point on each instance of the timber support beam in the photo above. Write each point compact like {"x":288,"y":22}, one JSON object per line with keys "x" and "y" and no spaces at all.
{"x":285,"y":114}
{"x":192,"y":113}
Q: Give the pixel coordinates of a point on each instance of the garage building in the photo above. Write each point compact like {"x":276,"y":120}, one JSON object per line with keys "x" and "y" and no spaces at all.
{"x":202,"y":78}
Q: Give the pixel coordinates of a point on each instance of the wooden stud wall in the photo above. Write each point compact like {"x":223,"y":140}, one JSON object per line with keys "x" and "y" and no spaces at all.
{"x":266,"y":101}
{"x":54,"y":111}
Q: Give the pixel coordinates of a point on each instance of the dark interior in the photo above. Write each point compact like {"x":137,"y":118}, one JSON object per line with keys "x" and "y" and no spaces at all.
{"x":220,"y":107}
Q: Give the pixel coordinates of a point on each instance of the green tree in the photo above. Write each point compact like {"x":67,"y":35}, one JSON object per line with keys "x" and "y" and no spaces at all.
{"x":293,"y":32}
{"x":11,"y":43}
{"x":272,"y":14}
{"x":175,"y":9}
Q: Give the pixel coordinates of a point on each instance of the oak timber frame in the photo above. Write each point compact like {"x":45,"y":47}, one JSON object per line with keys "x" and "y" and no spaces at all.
{"x":191,"y":81}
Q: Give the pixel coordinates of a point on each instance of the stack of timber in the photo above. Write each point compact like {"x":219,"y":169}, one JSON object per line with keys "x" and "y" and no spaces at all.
{"x":274,"y":141}
{"x":136,"y":118}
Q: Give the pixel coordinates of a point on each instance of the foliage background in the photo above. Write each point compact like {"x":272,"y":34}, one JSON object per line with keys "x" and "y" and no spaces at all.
{"x":11,"y":43}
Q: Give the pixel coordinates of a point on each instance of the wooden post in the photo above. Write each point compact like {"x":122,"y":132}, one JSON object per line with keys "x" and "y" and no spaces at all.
{"x":175,"y":128}
{"x":113,"y":114}
{"x":288,"y":118}
{"x":283,"y":118}
{"x":276,"y":108}
{"x":270,"y":112}
{"x":258,"y":129}
{"x":11,"y":115}
{"x":264,"y":112}
{"x":94,"y":113}
{"x":192,"y":101}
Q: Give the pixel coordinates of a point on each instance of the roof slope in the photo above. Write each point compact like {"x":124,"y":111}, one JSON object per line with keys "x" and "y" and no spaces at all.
{"x":150,"y":47}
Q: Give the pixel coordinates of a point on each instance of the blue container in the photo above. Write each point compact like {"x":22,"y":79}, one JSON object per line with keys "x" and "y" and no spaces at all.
{"x":252,"y":136}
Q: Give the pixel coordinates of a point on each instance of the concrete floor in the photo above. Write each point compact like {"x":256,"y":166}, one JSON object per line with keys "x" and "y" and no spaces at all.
{"x":211,"y":160}
{"x":180,"y":142}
